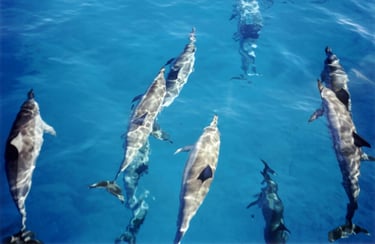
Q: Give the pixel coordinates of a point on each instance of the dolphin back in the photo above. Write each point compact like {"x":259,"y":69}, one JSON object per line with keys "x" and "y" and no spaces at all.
{"x":198,"y":175}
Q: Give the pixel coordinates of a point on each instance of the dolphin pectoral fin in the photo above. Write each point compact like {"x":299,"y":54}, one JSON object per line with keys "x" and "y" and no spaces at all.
{"x":184,"y":149}
{"x":137,"y":98}
{"x":252,"y":203}
{"x":111,"y":187}
{"x":159,"y":134}
{"x":49,"y":129}
{"x":169,"y":61}
{"x":139,"y":120}
{"x":345,"y":231}
{"x":205,"y":174}
{"x":319,"y":112}
{"x":359,"y":141}
{"x":365,"y":157}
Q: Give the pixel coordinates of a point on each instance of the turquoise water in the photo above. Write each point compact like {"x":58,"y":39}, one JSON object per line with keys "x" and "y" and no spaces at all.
{"x":86,"y":60}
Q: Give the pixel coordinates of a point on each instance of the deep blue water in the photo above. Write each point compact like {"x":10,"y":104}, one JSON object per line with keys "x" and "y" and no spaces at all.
{"x":86,"y":60}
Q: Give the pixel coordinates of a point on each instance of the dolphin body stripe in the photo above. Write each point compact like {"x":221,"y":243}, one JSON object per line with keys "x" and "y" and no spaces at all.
{"x":198,"y":175}
{"x":180,"y":70}
{"x":23,"y":146}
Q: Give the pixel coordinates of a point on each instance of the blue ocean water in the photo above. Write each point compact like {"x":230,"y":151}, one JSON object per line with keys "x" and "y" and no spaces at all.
{"x":86,"y":60}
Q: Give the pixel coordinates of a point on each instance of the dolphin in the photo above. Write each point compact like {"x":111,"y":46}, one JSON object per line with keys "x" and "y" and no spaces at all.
{"x":180,"y":70}
{"x":249,"y":25}
{"x":140,"y":126}
{"x":272,"y":207}
{"x":334,"y":77}
{"x":22,"y":149}
{"x":347,"y":145}
{"x":198,"y":175}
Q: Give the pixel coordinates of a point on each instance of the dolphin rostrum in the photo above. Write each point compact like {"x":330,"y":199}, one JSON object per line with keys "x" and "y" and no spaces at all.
{"x":22,"y":150}
{"x":198,"y":175}
{"x":181,"y":68}
{"x":140,"y":126}
{"x":334,"y":77}
{"x":272,"y":207}
{"x":347,"y":145}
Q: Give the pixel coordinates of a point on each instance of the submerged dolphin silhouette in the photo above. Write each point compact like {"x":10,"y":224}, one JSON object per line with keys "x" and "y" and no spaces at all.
{"x":272,"y":207}
{"x":23,"y":146}
{"x":347,"y":144}
{"x":249,"y":25}
{"x":181,"y":68}
{"x":198,"y":175}
{"x":140,"y":127}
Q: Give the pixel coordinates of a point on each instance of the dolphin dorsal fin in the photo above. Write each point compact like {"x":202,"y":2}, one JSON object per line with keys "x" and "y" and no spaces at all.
{"x":343,"y":96}
{"x":139,"y":120}
{"x":205,"y":174}
{"x":359,"y":141}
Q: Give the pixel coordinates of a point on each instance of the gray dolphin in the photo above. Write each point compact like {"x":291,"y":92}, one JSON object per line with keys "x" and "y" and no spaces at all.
{"x":334,"y":77}
{"x":249,"y":25}
{"x":181,"y":68}
{"x":23,"y":146}
{"x":347,"y":145}
{"x":272,"y":207}
{"x":140,"y":126}
{"x":198,"y":175}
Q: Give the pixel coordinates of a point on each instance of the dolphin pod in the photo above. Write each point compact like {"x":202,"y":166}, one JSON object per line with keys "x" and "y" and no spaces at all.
{"x":23,"y":146}
{"x":140,"y":126}
{"x":347,"y":145}
{"x":272,"y":207}
{"x":198,"y":175}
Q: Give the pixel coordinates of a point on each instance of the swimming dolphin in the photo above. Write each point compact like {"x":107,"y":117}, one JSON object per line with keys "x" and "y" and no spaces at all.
{"x":181,"y":68}
{"x":22,"y":149}
{"x":347,"y":144}
{"x":272,"y":207}
{"x":140,"y":127}
{"x":334,"y":77}
{"x":249,"y":25}
{"x":198,"y":175}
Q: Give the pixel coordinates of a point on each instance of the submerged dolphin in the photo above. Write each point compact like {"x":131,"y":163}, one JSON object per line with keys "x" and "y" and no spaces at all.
{"x":249,"y":25}
{"x":335,"y":78}
{"x":181,"y":68}
{"x":347,"y":144}
{"x":198,"y":175}
{"x":272,"y":208}
{"x":23,"y":146}
{"x":140,"y":127}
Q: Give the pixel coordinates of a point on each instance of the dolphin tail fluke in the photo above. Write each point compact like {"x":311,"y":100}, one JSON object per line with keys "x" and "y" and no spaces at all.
{"x":267,"y":168}
{"x":25,"y":236}
{"x":345,"y":231}
{"x":111,"y":187}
